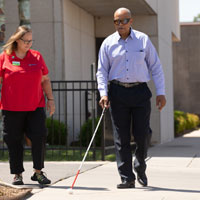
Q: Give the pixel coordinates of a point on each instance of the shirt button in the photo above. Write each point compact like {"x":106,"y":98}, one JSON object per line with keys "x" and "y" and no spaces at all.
{"x":127,"y":78}
{"x":126,"y":69}
{"x":126,"y":60}
{"x":126,"y":51}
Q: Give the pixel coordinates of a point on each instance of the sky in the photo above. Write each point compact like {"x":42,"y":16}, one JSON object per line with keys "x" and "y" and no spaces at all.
{"x":188,"y":9}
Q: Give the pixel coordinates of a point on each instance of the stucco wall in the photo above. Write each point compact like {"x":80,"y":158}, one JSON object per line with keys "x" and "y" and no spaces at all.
{"x":187,"y":69}
{"x":79,"y":42}
{"x":167,"y":24}
{"x":168,"y":30}
{"x":46,"y":23}
{"x":170,"y":11}
{"x":79,"y":54}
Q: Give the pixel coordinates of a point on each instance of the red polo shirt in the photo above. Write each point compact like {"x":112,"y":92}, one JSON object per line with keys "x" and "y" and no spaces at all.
{"x":21,"y":87}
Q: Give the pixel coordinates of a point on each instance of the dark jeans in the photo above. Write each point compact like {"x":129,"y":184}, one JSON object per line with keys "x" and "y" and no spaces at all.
{"x":130,"y":105}
{"x":15,"y":125}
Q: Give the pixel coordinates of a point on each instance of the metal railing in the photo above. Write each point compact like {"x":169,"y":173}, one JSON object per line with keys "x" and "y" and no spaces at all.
{"x":71,"y":127}
{"x":76,"y":108}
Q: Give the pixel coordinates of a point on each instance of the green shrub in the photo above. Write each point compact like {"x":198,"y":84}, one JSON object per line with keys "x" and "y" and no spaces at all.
{"x":57,"y":132}
{"x":86,"y":133}
{"x":193,"y":121}
{"x":184,"y":121}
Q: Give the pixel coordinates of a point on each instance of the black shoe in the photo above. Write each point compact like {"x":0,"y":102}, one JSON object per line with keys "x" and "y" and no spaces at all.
{"x":18,"y":180}
{"x":41,"y":178}
{"x":140,"y":170}
{"x":126,"y":184}
{"x":142,"y":178}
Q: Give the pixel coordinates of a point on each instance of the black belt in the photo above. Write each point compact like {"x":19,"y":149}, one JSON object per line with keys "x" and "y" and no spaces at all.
{"x":126,"y":85}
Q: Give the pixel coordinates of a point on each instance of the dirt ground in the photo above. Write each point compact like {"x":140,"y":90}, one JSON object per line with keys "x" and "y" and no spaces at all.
{"x":10,"y":193}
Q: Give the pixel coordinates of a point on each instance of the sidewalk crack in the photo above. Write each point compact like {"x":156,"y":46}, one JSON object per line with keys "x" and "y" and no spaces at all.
{"x":191,"y":160}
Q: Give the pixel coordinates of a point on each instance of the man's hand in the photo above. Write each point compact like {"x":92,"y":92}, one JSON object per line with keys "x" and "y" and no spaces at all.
{"x":104,"y":102}
{"x":160,"y":102}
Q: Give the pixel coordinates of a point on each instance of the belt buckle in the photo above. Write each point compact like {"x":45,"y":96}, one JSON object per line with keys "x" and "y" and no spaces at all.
{"x":127,"y":85}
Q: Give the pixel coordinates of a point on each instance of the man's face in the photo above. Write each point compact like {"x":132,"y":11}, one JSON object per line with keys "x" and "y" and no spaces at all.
{"x":122,"y":22}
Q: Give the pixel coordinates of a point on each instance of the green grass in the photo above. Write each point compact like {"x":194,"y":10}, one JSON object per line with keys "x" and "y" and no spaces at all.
{"x":62,"y":155}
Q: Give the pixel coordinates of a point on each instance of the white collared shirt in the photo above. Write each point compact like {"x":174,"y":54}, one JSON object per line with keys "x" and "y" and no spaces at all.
{"x":132,"y":60}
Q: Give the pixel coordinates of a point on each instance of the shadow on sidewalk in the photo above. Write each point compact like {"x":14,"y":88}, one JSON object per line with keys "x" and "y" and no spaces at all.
{"x":152,"y":188}
{"x":34,"y":186}
{"x":80,"y":188}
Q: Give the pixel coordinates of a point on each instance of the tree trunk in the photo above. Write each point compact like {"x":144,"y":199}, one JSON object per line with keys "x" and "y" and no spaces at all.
{"x":2,"y":23}
{"x":24,"y":12}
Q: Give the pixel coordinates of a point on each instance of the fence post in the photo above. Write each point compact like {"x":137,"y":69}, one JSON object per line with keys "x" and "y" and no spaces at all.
{"x":93,"y":107}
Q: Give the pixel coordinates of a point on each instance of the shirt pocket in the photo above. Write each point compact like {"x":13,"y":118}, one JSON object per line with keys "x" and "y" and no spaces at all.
{"x":139,"y":58}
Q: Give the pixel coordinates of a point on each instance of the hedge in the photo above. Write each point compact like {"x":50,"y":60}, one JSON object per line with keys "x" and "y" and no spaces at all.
{"x":57,"y":132}
{"x":185,"y":121}
{"x":86,"y":133}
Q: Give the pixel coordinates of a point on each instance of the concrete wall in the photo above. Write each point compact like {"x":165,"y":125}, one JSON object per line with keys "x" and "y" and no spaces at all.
{"x":187,"y":69}
{"x":46,"y":22}
{"x":166,"y":26}
{"x":168,"y":31}
{"x":79,"y":54}
{"x":63,"y":33}
{"x":79,"y":42}
{"x":169,"y":11}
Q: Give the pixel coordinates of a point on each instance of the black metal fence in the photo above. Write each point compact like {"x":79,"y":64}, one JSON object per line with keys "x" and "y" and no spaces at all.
{"x":71,"y":127}
{"x":77,"y":110}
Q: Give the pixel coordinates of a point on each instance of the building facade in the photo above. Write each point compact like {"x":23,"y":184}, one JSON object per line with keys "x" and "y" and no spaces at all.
{"x":68,"y":34}
{"x":186,"y":63}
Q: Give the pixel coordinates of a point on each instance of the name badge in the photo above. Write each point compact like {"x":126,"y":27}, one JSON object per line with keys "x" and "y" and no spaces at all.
{"x":16,"y":63}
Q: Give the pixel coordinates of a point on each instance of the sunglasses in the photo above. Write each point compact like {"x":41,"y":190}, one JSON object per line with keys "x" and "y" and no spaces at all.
{"x":122,"y":21}
{"x":26,"y":41}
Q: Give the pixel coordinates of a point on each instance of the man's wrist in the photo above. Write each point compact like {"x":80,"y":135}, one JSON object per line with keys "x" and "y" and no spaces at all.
{"x":103,"y":93}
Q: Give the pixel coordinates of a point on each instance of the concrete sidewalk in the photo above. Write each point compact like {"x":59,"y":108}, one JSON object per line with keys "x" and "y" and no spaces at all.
{"x":55,"y":171}
{"x":173,"y":174}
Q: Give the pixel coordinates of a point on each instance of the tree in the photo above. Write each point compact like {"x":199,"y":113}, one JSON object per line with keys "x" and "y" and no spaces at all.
{"x":197,"y":18}
{"x":24,"y":17}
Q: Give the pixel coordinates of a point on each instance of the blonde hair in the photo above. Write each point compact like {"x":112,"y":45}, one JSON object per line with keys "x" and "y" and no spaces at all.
{"x":11,"y":44}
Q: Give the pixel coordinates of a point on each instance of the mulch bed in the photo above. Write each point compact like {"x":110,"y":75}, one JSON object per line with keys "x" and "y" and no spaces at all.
{"x":12,"y":193}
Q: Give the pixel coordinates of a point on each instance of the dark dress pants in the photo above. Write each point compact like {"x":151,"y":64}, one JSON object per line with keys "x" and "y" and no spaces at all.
{"x":130,"y":105}
{"x":15,"y":124}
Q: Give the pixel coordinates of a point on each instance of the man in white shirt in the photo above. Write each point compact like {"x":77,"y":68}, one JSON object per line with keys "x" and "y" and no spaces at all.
{"x":127,"y":59}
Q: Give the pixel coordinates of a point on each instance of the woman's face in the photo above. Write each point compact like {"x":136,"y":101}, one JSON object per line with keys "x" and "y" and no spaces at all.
{"x":25,"y":42}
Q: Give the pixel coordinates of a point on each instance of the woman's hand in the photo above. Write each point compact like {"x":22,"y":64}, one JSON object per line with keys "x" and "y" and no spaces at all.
{"x":46,"y":86}
{"x":51,"y":106}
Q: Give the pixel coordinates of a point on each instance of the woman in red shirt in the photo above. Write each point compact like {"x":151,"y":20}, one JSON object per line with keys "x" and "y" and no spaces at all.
{"x":24,"y":78}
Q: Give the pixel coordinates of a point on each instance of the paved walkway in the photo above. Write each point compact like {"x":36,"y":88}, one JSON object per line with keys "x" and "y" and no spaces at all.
{"x":173,"y":173}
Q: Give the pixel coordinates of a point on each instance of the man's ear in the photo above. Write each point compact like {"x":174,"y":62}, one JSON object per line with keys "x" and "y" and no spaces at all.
{"x":131,"y":20}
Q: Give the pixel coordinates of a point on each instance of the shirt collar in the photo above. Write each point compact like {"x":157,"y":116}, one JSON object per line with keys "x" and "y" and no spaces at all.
{"x":132,"y":34}
{"x":118,"y":37}
{"x":13,"y":55}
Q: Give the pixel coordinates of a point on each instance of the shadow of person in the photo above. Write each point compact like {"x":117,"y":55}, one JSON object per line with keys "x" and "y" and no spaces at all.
{"x":152,"y":188}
